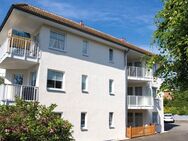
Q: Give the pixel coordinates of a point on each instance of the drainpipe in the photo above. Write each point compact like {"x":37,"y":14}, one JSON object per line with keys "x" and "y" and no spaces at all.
{"x":126,"y":85}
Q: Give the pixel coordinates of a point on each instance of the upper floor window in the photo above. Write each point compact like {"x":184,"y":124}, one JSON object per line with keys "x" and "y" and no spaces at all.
{"x":111,"y":55}
{"x":154,"y":91}
{"x":130,"y":90}
{"x":57,"y":41}
{"x":111,"y":120}
{"x":111,"y":87}
{"x":84,"y":83}
{"x":83,"y":122}
{"x":138,"y":91}
{"x":85,"y":48}
{"x":55,"y":80}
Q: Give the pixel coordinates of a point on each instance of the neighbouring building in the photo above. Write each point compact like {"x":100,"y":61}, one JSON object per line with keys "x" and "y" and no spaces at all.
{"x":100,"y":83}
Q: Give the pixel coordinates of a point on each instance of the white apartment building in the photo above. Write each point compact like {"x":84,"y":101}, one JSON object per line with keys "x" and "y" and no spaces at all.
{"x":100,"y":83}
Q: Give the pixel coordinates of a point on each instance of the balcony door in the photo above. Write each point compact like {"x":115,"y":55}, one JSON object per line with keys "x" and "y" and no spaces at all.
{"x":138,"y":66}
{"x":138,"y":119}
{"x":138,"y":91}
{"x":33,"y":77}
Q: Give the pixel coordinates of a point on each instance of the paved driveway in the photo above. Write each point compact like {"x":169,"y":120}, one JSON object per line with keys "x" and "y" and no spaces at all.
{"x":177,"y":131}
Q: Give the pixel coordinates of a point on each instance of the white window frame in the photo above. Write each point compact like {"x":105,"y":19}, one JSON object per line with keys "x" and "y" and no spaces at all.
{"x":83,"y":128}
{"x":63,"y":81}
{"x":58,"y":33}
{"x":86,"y":83}
{"x":111,"y":60}
{"x":85,"y":47}
{"x":111,"y":87}
{"x":111,"y":120}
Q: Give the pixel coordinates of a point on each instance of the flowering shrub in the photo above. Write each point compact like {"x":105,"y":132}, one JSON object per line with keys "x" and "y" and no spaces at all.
{"x":29,"y":121}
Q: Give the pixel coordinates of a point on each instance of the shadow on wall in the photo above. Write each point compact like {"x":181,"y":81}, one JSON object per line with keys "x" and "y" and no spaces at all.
{"x":169,"y":126}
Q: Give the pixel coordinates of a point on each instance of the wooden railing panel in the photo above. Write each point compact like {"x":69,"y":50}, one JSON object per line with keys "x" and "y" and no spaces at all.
{"x":133,"y":132}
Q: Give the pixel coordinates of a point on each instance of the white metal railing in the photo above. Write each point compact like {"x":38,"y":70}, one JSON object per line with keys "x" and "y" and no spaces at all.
{"x":139,"y":101}
{"x":20,"y":46}
{"x":140,"y":72}
{"x":9,"y":92}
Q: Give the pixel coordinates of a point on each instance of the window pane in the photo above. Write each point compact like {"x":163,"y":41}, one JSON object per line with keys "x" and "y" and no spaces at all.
{"x":51,"y":84}
{"x":55,"y":79}
{"x":18,"y":79}
{"x":110,"y":54}
{"x":85,"y":48}
{"x":130,"y":90}
{"x":57,"y":40}
{"x":58,"y":84}
{"x":110,"y":119}
{"x":138,"y":91}
{"x":83,"y":116}
{"x":84,"y":82}
{"x":111,"y":86}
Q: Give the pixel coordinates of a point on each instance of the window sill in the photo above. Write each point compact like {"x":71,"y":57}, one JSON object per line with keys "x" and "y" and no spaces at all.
{"x":64,"y":51}
{"x":56,"y":90}
{"x":111,"y":127}
{"x":84,"y":129}
{"x":112,"y":62}
{"x":85,"y":55}
{"x":85,"y":91}
{"x":112,"y":94}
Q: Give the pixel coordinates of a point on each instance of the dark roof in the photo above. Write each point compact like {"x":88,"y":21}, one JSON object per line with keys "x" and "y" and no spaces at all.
{"x":66,"y":22}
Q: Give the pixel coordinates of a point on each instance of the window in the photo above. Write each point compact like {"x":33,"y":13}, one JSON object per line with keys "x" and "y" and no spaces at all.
{"x":111,"y":124}
{"x":58,"y":114}
{"x":130,"y":90}
{"x":57,"y":41}
{"x":18,"y":79}
{"x":85,"y":48}
{"x":154,"y":91}
{"x":138,"y":91}
{"x":55,"y":79}
{"x":138,"y":119}
{"x":84,"y":83}
{"x":130,"y":119}
{"x":83,"y":121}
{"x":111,"y":55}
{"x":155,"y":117}
{"x":111,"y":87}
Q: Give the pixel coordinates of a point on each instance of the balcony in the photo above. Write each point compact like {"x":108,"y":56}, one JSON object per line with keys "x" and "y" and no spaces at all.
{"x":139,"y":73}
{"x":18,"y":53}
{"x":9,"y":92}
{"x":140,"y":102}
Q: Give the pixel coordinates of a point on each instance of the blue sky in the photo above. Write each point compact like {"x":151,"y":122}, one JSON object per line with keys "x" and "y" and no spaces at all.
{"x":130,"y":19}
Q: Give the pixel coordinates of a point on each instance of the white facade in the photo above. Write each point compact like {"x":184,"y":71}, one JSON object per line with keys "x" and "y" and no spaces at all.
{"x":102,"y":105}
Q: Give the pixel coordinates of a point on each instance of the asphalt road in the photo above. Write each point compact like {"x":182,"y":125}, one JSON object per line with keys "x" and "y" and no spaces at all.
{"x":177,"y":131}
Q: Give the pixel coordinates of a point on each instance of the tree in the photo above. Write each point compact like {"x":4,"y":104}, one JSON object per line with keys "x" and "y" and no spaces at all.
{"x":29,"y":121}
{"x":171,"y":37}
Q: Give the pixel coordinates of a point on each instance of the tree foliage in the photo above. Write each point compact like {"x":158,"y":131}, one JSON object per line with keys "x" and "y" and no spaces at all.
{"x":179,"y":103}
{"x":171,"y":37}
{"x":29,"y":121}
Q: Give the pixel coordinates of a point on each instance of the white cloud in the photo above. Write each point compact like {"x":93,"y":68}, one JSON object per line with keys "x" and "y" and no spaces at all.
{"x":73,"y":12}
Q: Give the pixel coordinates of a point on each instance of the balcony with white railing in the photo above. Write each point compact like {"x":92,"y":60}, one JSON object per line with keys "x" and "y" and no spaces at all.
{"x":20,"y":50}
{"x":8,"y":93}
{"x":140,"y":102}
{"x":139,"y":73}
